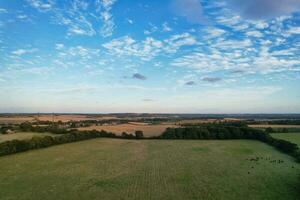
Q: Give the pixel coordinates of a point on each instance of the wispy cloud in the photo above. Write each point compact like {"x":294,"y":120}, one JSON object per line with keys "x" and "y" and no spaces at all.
{"x":105,"y":7}
{"x":294,"y":30}
{"x":20,"y":52}
{"x":41,"y":5}
{"x":166,"y":27}
{"x":80,"y":17}
{"x":2,"y":10}
{"x":150,"y":47}
{"x":127,"y":46}
{"x":190,"y":9}
{"x":211,"y":79}
{"x":190,"y":83}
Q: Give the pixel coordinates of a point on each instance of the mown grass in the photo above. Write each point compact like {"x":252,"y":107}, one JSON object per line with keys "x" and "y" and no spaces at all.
{"x":292,"y":137}
{"x":150,"y":169}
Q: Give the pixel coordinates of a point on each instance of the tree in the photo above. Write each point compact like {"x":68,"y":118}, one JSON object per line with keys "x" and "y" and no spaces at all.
{"x":270,"y":130}
{"x":26,"y":126}
{"x":139,"y":134}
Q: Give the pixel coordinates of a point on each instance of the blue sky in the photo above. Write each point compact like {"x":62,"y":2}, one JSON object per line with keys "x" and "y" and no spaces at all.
{"x":171,"y":56}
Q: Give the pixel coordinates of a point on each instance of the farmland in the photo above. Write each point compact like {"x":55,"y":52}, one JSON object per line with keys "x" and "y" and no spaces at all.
{"x":274,"y":126}
{"x":22,"y":136}
{"x":51,"y":117}
{"x":292,"y":137}
{"x":148,"y":130}
{"x":150,"y":169}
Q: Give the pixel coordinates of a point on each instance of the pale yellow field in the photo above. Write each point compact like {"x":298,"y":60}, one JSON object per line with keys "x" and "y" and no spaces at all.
{"x":49,"y":117}
{"x":149,"y":130}
{"x":273,"y":126}
{"x":22,"y":136}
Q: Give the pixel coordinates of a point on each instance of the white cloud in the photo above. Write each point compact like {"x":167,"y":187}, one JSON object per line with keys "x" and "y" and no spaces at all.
{"x":59,"y":46}
{"x":294,"y":30}
{"x":130,"y":21}
{"x":254,"y":34}
{"x":76,"y":21}
{"x":2,"y":10}
{"x":261,"y":25}
{"x":166,"y":27}
{"x":20,"y":52}
{"x":105,"y":7}
{"x":148,"y":48}
{"x":76,"y":16}
{"x":213,"y":32}
{"x":179,"y":40}
{"x":41,"y":5}
{"x":126,"y":46}
{"x":152,"y":29}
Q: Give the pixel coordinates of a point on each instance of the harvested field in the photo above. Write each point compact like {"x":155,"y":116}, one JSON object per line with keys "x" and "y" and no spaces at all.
{"x":150,"y":169}
{"x":22,"y":136}
{"x":273,"y":126}
{"x":49,"y":117}
{"x":149,"y":130}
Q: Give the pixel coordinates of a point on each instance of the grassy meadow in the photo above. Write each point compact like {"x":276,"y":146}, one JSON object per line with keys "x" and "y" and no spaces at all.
{"x":22,"y":136}
{"x":291,"y":137}
{"x":150,"y":169}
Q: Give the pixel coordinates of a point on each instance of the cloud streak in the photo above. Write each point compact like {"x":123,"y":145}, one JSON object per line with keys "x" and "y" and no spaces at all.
{"x":139,"y":76}
{"x":211,"y":79}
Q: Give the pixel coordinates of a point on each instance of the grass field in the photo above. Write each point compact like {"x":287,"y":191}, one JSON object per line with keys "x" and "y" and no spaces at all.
{"x":148,"y":130}
{"x":292,"y":137}
{"x":150,"y":169}
{"x":22,"y":136}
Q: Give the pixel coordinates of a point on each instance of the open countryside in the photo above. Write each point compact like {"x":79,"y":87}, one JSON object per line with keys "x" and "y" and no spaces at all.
{"x":149,"y":100}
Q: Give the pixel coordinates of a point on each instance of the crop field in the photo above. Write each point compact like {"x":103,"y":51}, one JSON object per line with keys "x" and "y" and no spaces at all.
{"x":50,"y":117}
{"x":274,"y":126}
{"x":150,"y":169}
{"x":292,"y":137}
{"x":22,"y":136}
{"x":148,"y":130}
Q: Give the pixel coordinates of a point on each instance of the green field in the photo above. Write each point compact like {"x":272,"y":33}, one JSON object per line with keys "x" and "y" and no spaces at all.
{"x":22,"y":136}
{"x":150,"y":169}
{"x":292,"y":137}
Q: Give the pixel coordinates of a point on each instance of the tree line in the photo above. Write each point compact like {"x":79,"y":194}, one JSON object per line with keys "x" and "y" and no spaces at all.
{"x":36,"y":142}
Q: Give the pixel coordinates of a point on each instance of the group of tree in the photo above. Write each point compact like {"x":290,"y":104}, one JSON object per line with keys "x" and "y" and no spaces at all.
{"x":52,"y":128}
{"x":137,"y":135}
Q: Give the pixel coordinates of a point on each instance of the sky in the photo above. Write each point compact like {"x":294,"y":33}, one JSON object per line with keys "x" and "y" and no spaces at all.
{"x":150,"y":56}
